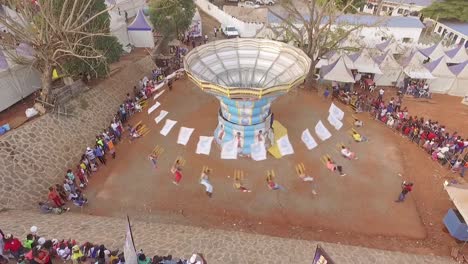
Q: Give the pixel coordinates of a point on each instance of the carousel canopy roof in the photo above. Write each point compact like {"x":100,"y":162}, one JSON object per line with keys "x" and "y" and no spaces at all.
{"x":255,"y":66}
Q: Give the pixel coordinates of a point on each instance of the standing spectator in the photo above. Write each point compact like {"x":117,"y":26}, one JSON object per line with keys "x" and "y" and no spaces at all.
{"x":54,"y":197}
{"x":193,"y":44}
{"x":215,"y":31}
{"x":90,"y":155}
{"x":206,"y":39}
{"x":61,"y":191}
{"x":381,"y":93}
{"x":406,"y":188}
{"x":2,"y":242}
{"x":123,"y":113}
{"x":100,"y":154}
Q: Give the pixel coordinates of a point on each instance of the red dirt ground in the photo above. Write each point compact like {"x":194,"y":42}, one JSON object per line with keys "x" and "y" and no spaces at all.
{"x":357,"y":209}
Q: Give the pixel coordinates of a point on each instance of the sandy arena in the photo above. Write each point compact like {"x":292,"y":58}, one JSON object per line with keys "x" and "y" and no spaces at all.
{"x":357,"y":209}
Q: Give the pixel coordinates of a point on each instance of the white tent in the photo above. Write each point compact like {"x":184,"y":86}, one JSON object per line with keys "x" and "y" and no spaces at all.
{"x":364,"y":63}
{"x":434,"y":52}
{"x":130,"y":6}
{"x":392,"y":46}
{"x":347,"y":60}
{"x":457,"y":55}
{"x":414,"y":68}
{"x":140,"y":32}
{"x":16,"y":81}
{"x":390,"y":68}
{"x":458,"y":193}
{"x":337,"y":71}
{"x":195,"y":29}
{"x":460,"y":85}
{"x":118,"y":28}
{"x":444,"y":77}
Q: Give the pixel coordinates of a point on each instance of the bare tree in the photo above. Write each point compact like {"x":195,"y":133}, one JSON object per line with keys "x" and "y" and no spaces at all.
{"x":315,"y":27}
{"x":47,"y":33}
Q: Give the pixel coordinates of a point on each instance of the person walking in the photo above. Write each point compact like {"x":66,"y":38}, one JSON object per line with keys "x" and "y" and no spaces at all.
{"x":406,"y":187}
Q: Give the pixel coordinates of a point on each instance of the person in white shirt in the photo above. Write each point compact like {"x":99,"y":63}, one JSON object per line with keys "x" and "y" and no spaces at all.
{"x":441,"y":151}
{"x":347,"y":153}
{"x":381,"y":93}
{"x":205,"y":181}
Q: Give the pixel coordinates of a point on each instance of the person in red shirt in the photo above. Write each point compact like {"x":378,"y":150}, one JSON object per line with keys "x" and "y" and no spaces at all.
{"x":54,"y":196}
{"x":406,"y":187}
{"x":13,"y":246}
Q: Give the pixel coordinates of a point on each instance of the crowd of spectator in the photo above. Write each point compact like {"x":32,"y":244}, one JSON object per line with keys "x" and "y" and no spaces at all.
{"x":35,"y":249}
{"x":76,"y":179}
{"x":443,"y":146}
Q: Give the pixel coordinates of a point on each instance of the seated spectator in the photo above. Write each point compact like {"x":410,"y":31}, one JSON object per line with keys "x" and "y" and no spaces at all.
{"x":46,"y":209}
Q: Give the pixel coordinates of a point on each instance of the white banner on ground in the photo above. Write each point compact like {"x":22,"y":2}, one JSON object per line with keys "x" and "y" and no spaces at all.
{"x":158,"y":94}
{"x":308,"y":140}
{"x":204,"y":145}
{"x":152,"y":108}
{"x":229,"y":150}
{"x":161,"y":116}
{"x":337,"y":124}
{"x":184,"y":135}
{"x":258,"y":151}
{"x":167,"y":127}
{"x":284,"y":146}
{"x":336,"y":112}
{"x":322,"y":132}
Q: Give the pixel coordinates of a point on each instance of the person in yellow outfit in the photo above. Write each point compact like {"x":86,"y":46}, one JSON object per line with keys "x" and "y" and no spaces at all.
{"x":76,"y":254}
{"x":358,"y":138}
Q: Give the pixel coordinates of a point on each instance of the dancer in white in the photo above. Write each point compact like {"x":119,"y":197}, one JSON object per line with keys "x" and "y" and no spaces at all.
{"x":205,"y":180}
{"x":348,"y":153}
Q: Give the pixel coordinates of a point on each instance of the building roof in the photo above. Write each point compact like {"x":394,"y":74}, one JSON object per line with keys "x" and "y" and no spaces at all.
{"x":365,"y":20}
{"x":422,"y":3}
{"x":256,"y":15}
{"x":457,"y":26}
{"x":457,"y":69}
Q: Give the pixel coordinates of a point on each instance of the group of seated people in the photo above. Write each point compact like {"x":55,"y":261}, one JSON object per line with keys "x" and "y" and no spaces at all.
{"x":418,"y":89}
{"x":37,"y":249}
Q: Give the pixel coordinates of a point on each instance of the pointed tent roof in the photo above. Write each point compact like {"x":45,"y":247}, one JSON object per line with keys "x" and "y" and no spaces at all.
{"x":457,"y":55}
{"x":414,"y":68}
{"x":364,"y":62}
{"x":434,"y":52}
{"x":337,"y":71}
{"x":140,"y":23}
{"x":348,"y":61}
{"x":387,"y":61}
{"x":390,"y":45}
{"x":439,"y":68}
{"x":460,"y":70}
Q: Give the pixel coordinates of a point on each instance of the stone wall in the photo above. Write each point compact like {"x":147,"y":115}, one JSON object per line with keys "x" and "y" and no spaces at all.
{"x":37,"y":155}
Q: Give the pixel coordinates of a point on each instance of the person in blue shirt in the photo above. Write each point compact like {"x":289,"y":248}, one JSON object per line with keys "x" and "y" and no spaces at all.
{"x":100,"y":154}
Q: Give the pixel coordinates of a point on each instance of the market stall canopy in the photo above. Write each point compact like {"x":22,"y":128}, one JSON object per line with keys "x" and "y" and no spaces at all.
{"x":390,"y":67}
{"x":364,"y":62}
{"x":444,"y":76}
{"x":414,"y":68}
{"x":457,"y":55}
{"x":140,"y":23}
{"x":337,"y":71}
{"x":140,"y":32}
{"x":347,"y":60}
{"x":434,"y":52}
{"x":458,"y":193}
{"x":460,"y":85}
{"x":392,"y":46}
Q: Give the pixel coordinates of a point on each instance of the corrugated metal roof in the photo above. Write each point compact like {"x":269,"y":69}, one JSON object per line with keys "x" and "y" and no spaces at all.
{"x":366,"y":20}
{"x":423,"y":3}
{"x":458,"y":26}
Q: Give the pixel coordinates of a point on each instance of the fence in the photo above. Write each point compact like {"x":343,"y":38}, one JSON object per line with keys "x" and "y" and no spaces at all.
{"x":246,"y":29}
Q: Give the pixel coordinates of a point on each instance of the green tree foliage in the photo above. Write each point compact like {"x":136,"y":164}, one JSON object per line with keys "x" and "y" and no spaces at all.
{"x":107,"y":45}
{"x":171,"y":17}
{"x":448,"y":10}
